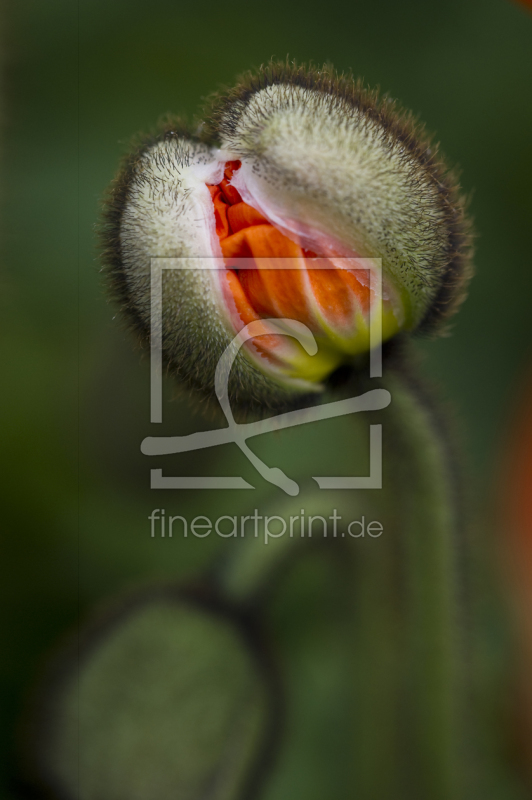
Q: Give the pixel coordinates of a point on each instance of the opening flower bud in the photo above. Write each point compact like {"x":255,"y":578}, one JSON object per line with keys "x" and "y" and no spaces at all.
{"x":299,"y":179}
{"x":270,"y":273}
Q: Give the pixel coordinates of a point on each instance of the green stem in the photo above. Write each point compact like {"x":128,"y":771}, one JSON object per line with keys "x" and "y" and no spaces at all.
{"x":404,"y":621}
{"x":418,"y":468}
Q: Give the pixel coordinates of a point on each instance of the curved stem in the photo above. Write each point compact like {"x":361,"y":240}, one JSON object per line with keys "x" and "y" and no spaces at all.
{"x":404,"y":619}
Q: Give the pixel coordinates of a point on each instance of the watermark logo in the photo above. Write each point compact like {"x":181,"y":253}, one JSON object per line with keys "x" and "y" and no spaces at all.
{"x":373,"y":400}
{"x":263,"y":526}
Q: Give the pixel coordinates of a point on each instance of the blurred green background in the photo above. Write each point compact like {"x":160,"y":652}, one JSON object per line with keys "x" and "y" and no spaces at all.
{"x":79,"y":80}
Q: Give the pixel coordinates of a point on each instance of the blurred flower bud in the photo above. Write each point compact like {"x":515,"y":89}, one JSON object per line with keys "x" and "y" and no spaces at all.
{"x":166,"y":696}
{"x":302,"y":174}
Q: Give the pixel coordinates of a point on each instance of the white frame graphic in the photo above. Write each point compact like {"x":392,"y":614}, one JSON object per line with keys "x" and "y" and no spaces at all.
{"x":239,"y":433}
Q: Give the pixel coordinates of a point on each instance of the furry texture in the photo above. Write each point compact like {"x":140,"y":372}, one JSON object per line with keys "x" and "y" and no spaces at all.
{"x":153,"y":210}
{"x":316,"y":147}
{"x":324,"y":147}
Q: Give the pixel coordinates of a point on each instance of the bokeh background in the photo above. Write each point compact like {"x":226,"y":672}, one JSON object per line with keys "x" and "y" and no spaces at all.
{"x":79,"y":80}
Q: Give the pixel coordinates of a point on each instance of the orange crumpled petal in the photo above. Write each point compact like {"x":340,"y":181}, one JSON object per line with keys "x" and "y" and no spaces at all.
{"x":292,"y":293}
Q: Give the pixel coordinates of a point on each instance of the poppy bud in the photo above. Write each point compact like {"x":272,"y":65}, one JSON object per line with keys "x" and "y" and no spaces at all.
{"x":304,"y":175}
{"x":166,"y":694}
